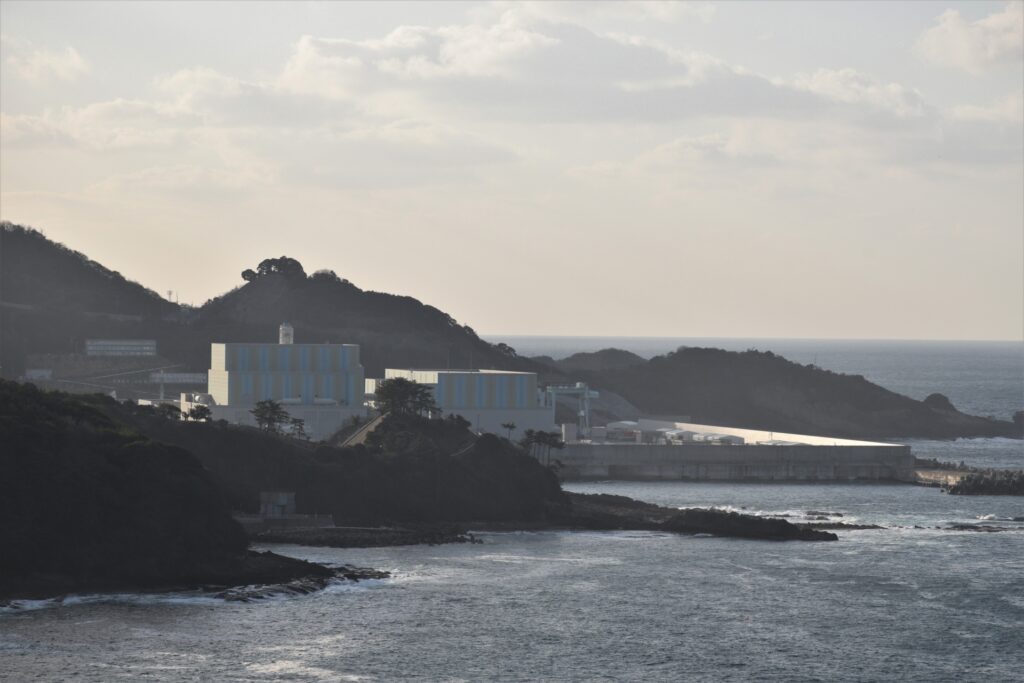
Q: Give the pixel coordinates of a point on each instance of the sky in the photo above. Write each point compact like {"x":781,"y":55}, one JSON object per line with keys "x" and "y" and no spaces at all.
{"x":818,"y":170}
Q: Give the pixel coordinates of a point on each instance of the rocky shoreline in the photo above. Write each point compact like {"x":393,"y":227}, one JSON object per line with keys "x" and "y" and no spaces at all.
{"x":585,"y":512}
{"x":369,"y":537}
{"x":255,"y":574}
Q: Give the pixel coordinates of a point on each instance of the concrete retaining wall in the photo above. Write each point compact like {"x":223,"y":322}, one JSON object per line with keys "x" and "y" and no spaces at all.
{"x":735,"y":463}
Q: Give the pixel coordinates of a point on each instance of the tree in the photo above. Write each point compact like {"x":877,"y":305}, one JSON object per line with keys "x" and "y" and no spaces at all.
{"x":509,"y":426}
{"x":529,"y":441}
{"x":249,"y":275}
{"x":505,"y":350}
{"x":405,"y":397}
{"x":298,"y":426}
{"x":551,"y":440}
{"x":288,"y":267}
{"x":270,"y":415}
{"x":169,"y":410}
{"x":540,"y":443}
{"x":199,"y":413}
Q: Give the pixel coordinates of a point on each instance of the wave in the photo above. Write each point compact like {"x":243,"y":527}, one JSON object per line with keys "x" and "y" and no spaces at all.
{"x":253,"y":593}
{"x":178,"y":598}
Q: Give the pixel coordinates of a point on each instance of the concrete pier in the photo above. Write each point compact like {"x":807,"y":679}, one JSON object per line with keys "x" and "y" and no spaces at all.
{"x":736,"y":463}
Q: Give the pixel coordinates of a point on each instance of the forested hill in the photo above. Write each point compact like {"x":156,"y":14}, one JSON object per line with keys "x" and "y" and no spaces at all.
{"x":392,"y":330}
{"x":761,"y":390}
{"x":53,"y":298}
{"x":37,"y":272}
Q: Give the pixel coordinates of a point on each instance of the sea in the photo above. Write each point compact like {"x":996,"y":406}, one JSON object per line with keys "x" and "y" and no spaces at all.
{"x":931,"y":596}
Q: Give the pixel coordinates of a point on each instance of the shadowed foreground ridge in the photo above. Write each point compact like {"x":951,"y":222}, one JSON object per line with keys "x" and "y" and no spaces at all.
{"x":91,"y":506}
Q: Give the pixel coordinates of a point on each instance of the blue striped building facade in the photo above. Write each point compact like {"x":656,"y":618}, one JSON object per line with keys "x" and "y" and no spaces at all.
{"x":242,"y":374}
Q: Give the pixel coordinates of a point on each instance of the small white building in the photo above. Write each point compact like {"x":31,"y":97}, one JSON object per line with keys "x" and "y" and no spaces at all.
{"x":321,"y":384}
{"x":487,"y":398}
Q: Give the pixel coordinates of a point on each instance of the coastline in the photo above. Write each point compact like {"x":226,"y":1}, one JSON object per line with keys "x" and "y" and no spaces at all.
{"x":255,"y":574}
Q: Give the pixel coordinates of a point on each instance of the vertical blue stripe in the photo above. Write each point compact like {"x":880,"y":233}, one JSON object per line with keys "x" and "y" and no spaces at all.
{"x":243,"y":358}
{"x":460,"y":391}
{"x":304,"y":358}
{"x":499,"y":398}
{"x":283,"y":358}
{"x":440,"y":392}
{"x":264,"y":358}
{"x":481,"y":399}
{"x":521,"y":391}
{"x":246,"y":384}
{"x":268,"y":387}
{"x":325,"y":360}
{"x":287,"y":388}
{"x":328,"y":386}
{"x":344,"y":358}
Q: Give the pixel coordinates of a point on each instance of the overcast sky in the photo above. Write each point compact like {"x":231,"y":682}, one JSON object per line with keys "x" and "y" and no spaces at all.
{"x":788,"y":170}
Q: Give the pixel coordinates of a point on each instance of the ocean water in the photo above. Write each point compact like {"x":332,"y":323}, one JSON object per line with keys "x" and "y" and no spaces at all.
{"x":981,"y":378}
{"x":898,"y":604}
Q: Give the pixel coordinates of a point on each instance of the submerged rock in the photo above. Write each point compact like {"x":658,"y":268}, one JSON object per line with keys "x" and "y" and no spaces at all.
{"x":301,"y":586}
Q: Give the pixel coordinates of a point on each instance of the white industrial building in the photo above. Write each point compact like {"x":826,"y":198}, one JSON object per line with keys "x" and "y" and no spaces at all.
{"x":321,"y":384}
{"x":486,"y":398}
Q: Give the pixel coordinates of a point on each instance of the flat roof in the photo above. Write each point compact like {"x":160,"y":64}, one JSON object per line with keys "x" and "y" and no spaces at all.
{"x":455,"y":370}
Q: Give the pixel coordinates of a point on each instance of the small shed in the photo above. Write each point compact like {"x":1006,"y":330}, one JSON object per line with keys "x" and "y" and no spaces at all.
{"x":276,"y":504}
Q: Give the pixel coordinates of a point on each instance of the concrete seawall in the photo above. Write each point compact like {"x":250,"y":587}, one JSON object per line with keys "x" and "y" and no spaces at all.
{"x":736,"y":463}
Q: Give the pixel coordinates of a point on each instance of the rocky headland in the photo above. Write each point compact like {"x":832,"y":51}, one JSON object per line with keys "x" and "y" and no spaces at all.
{"x":93,"y":506}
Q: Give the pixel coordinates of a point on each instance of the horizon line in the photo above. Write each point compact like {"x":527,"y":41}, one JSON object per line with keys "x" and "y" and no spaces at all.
{"x":488,"y":335}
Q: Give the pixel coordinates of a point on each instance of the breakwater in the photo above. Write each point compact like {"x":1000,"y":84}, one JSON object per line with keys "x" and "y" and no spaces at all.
{"x":646,"y":462}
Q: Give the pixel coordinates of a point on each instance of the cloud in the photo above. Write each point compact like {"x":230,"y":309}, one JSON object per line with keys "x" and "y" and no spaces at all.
{"x":114,"y":124}
{"x":340,"y":68}
{"x":975,"y":46}
{"x":178,"y":177}
{"x":511,"y":72}
{"x":1009,"y":109}
{"x":42,"y":65}
{"x":852,"y":87}
{"x":585,"y":13}
{"x":457,"y":104}
{"x":529,"y":71}
{"x":24,"y":130}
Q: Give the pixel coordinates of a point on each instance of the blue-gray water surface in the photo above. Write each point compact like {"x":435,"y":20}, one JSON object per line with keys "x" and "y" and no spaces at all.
{"x":898,"y":604}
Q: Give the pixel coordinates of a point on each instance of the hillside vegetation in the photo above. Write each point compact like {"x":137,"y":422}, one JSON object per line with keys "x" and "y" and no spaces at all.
{"x":411,"y":470}
{"x":93,"y":502}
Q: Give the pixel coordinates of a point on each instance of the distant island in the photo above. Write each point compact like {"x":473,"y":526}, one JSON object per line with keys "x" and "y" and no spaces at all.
{"x":54,"y":298}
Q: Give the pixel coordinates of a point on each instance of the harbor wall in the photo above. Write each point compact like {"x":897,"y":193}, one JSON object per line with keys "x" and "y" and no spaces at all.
{"x":642,"y":462}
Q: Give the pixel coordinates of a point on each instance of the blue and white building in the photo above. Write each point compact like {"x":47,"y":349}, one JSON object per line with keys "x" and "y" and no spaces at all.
{"x":321,"y":384}
{"x":487,"y":398}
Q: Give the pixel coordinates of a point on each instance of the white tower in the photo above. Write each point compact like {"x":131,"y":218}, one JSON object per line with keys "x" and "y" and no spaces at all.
{"x":285,"y":334}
